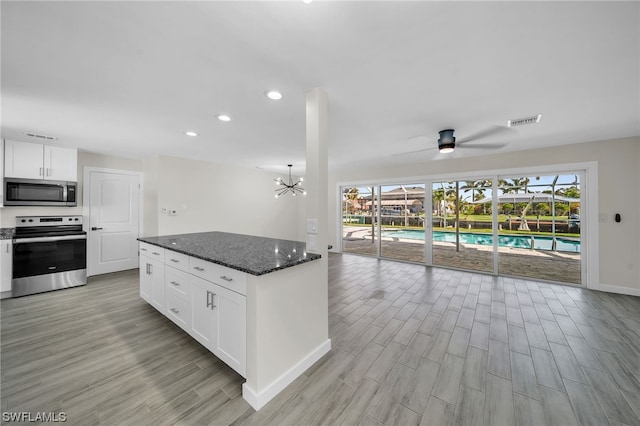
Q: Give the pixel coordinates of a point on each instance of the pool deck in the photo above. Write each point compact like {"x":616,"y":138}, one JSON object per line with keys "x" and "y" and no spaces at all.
{"x":539,"y":264}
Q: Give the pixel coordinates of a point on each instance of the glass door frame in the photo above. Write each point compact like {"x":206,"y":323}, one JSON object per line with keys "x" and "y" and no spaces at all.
{"x":588,"y":198}
{"x":589,"y":236}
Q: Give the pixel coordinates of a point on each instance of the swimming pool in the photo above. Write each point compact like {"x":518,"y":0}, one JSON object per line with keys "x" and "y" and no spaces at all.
{"x":516,"y":241}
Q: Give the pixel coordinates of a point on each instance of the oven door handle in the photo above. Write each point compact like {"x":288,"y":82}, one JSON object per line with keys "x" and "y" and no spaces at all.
{"x":49,"y":239}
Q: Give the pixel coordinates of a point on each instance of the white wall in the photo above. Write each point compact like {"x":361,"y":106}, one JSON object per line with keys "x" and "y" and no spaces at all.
{"x":8,"y":214}
{"x":215,"y":197}
{"x":618,"y":173}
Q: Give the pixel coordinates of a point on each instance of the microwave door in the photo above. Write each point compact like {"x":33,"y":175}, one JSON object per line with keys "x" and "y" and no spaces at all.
{"x":37,"y":193}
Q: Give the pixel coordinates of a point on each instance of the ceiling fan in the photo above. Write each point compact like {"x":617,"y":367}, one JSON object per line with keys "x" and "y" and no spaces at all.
{"x":447,"y":142}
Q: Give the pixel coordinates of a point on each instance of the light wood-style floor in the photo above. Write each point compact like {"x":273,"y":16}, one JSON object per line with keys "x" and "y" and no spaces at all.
{"x":411,"y":345}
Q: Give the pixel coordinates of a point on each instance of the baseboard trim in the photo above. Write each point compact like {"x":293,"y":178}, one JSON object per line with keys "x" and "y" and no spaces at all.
{"x":619,"y":290}
{"x":259,"y":400}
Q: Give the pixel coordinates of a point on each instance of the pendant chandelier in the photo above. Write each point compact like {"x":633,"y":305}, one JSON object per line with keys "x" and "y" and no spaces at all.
{"x":284,"y":187}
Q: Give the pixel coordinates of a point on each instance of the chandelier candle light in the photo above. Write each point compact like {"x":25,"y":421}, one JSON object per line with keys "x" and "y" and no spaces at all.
{"x":284,"y":187}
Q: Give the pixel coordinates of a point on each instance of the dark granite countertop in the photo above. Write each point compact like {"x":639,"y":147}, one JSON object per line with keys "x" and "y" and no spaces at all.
{"x":246,"y":253}
{"x":6,"y":233}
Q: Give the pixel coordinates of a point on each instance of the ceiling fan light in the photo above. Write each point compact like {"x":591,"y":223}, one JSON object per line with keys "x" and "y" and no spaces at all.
{"x":447,"y":141}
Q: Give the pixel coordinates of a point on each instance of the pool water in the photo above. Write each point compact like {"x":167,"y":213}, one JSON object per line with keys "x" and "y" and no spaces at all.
{"x":516,"y":241}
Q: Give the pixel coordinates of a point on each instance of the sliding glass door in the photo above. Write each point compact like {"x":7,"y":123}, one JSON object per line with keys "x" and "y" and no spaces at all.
{"x":402,"y":222}
{"x":462,"y":224}
{"x":360,"y":220}
{"x":527,"y":226}
{"x":540,"y":227}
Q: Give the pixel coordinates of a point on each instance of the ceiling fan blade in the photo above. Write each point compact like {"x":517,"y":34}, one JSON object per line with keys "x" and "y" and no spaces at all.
{"x":483,"y":146}
{"x":413,"y":152}
{"x":489,"y":131}
{"x":418,"y":138}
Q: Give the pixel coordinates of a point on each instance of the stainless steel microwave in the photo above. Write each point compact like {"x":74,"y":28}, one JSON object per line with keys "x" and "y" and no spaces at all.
{"x":33,"y":192}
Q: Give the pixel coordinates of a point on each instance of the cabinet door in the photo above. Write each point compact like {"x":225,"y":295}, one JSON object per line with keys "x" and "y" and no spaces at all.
{"x":202,"y":313}
{"x":23,"y":160}
{"x":6,"y":254}
{"x":152,"y":282}
{"x":157,"y":284}
{"x":145,"y":278}
{"x":1,"y":173}
{"x":60,"y":163}
{"x":230,"y":334}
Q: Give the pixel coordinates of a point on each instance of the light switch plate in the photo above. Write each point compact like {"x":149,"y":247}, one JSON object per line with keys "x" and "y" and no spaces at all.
{"x":312,"y":226}
{"x":311,"y":243}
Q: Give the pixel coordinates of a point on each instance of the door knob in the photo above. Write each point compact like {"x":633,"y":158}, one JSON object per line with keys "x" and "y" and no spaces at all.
{"x":94,"y":228}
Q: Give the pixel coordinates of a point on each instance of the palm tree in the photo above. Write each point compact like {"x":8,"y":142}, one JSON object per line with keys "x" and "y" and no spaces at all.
{"x":352,"y":194}
{"x":438,"y":197}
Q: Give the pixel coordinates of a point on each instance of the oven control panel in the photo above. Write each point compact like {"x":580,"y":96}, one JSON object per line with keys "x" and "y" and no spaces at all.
{"x":30,"y":221}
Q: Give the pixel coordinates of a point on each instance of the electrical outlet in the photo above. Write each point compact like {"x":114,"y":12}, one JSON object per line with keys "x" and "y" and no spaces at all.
{"x":312,"y":226}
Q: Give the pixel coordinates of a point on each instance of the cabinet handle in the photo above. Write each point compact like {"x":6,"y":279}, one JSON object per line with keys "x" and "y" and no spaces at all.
{"x":41,"y":171}
{"x":210,"y":296}
{"x":48,"y":171}
{"x":175,"y":260}
{"x":150,"y":269}
{"x":197,"y":268}
{"x":143,"y":249}
{"x":224,"y":277}
{"x":156,"y":253}
{"x":175,"y":311}
{"x":175,"y":283}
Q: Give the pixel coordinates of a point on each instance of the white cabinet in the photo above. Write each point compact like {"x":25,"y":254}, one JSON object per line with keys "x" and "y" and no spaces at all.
{"x":206,"y":300}
{"x":152,"y":282}
{"x":1,"y":173}
{"x":60,"y":163}
{"x":6,"y":255}
{"x":202,"y":314}
{"x":219,"y":322}
{"x":230,"y":328}
{"x":27,"y":160}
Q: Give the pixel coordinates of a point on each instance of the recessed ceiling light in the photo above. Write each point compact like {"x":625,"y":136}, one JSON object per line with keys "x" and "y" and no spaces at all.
{"x":273,"y":94}
{"x":191,"y":134}
{"x":224,"y":117}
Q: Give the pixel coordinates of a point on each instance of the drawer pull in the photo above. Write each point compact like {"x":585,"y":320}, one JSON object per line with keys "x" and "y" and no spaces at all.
{"x":224,"y":277}
{"x":175,"y":260}
{"x":175,"y":311}
{"x":175,"y":283}
{"x":143,"y":249}
{"x":156,"y":253}
{"x":197,"y":268}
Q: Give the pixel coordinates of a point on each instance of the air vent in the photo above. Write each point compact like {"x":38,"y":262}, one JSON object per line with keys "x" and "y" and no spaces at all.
{"x":524,"y":121}
{"x":39,"y":136}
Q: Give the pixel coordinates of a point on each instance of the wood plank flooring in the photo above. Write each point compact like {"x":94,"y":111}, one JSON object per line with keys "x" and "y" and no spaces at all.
{"x":411,"y":346}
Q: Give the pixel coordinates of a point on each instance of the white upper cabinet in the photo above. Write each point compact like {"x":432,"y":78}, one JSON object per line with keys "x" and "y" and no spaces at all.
{"x":60,"y":163}
{"x":27,"y":160}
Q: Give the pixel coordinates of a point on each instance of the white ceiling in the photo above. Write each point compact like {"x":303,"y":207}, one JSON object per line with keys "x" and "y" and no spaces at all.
{"x":129,"y":78}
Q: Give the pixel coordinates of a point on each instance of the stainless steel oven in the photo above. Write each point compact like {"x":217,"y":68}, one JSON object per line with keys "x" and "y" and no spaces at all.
{"x":49,"y":253}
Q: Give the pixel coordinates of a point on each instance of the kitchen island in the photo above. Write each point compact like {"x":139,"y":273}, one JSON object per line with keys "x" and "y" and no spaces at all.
{"x":247,"y":299}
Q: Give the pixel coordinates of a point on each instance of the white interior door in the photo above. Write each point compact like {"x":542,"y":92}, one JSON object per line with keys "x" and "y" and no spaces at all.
{"x":113,"y":221}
